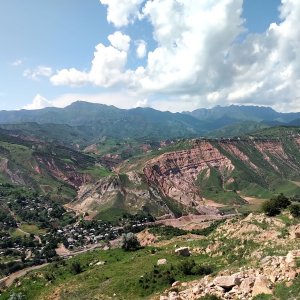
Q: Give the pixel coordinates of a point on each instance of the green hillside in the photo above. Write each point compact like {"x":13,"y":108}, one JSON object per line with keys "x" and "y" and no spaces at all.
{"x":53,"y":169}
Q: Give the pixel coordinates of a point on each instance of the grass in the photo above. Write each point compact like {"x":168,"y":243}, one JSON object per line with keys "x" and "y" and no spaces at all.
{"x":283,"y":292}
{"x":97,"y":172}
{"x":105,"y":280}
{"x":32,"y":229}
{"x":17,"y":233}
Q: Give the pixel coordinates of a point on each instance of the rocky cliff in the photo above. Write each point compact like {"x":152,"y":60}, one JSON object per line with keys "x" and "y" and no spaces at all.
{"x":176,"y":173}
{"x":221,"y":166}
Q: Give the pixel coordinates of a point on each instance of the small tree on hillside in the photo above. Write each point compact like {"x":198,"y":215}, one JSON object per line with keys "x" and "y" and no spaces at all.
{"x":281,"y":201}
{"x":275,"y":205}
{"x":270,"y":209}
{"x":130,"y":242}
{"x":295,"y":210}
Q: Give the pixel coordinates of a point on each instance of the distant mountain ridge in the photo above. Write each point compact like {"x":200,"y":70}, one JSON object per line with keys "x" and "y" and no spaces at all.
{"x":88,"y":122}
{"x":244,"y":113}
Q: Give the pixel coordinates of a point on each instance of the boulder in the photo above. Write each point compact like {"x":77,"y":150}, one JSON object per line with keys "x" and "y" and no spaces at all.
{"x":291,"y":259}
{"x":183,"y":251}
{"x":227,"y":282}
{"x":247,"y":284}
{"x":176,"y":283}
{"x":261,"y":286}
{"x":161,"y":261}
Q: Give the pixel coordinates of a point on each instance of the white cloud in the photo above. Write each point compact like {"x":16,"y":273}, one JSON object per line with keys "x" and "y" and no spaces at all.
{"x":141,"y":48}
{"x":17,"y":63}
{"x":121,"y":13}
{"x":120,"y":41}
{"x":40,"y":71}
{"x":200,"y":59}
{"x":142,"y":103}
{"x":38,"y":102}
{"x":108,"y":65}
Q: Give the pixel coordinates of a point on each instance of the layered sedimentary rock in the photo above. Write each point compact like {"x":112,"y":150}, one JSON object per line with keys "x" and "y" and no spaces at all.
{"x":176,"y":173}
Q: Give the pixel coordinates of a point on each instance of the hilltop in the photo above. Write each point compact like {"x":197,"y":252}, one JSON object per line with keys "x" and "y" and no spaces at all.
{"x":45,"y":167}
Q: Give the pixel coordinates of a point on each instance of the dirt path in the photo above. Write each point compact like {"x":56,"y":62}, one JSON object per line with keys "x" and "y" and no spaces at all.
{"x":8,"y":281}
{"x":296,"y":182}
{"x":190,"y":222}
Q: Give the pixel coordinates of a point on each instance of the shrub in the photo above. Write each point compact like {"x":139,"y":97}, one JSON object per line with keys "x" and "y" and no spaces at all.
{"x":161,"y":276}
{"x":130,"y":242}
{"x":76,"y":268}
{"x":295,"y":210}
{"x":16,"y":296}
{"x":270,"y":209}
{"x":281,"y":201}
{"x":274,"y":206}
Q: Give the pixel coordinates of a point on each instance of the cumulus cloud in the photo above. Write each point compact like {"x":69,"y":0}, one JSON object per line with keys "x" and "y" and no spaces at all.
{"x":121,"y":13}
{"x":38,"y":102}
{"x":120,"y":41}
{"x":141,"y":48}
{"x":201,"y":58}
{"x":107,"y":68}
{"x":40,"y":71}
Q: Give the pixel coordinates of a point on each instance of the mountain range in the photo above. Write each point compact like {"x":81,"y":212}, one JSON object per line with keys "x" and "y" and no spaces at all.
{"x":83,"y":123}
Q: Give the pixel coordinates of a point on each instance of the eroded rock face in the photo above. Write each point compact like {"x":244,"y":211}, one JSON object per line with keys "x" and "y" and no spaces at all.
{"x":176,"y":173}
{"x":64,"y":171}
{"x":112,"y":191}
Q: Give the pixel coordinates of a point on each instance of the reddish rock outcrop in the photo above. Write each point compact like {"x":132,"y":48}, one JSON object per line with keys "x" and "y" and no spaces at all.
{"x":175,"y":173}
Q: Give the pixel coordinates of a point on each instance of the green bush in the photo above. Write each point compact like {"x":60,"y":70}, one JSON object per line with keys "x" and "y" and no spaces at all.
{"x":270,"y":209}
{"x":161,"y":276}
{"x":16,"y":296}
{"x":130,"y":242}
{"x":275,"y":205}
{"x":189,"y":267}
{"x":295,"y":210}
{"x":281,"y":201}
{"x":76,"y":268}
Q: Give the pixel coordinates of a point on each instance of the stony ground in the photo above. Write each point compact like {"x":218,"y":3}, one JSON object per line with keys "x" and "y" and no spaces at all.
{"x":262,"y":271}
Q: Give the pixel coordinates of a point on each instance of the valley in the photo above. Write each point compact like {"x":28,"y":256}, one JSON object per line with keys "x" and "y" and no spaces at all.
{"x":69,"y":193}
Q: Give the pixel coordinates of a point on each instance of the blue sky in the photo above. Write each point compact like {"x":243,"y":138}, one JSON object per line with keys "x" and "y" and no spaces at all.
{"x":47,"y":49}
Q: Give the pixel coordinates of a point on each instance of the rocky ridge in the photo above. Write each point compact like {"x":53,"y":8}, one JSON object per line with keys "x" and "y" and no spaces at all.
{"x":261,"y":273}
{"x":245,"y":284}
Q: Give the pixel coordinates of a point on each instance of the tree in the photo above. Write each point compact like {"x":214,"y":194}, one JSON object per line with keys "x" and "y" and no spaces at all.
{"x":270,"y":208}
{"x":275,"y":205}
{"x":295,"y":210}
{"x":130,"y":242}
{"x":281,"y":201}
